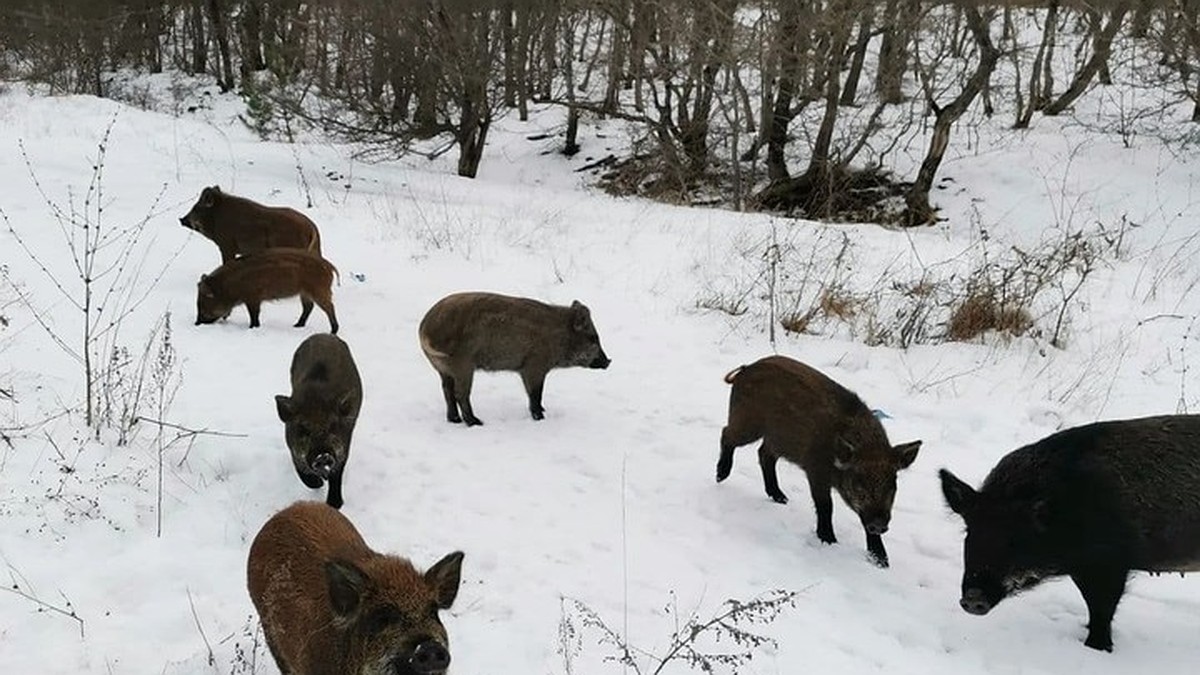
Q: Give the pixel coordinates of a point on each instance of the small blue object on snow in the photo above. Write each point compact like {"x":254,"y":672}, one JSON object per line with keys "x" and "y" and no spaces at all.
{"x":880,"y":415}
{"x":358,"y":276}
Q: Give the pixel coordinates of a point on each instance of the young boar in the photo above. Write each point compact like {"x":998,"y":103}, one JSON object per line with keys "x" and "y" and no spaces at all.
{"x":320,"y":414}
{"x":464,"y":332}
{"x":825,"y":429}
{"x":329,"y":604}
{"x":1092,"y":503}
{"x":239,"y":226}
{"x":273,"y":274}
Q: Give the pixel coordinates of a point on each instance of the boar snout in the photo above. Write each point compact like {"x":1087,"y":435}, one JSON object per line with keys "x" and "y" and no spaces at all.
{"x":322,"y":464}
{"x":184,"y":222}
{"x":601,"y":361}
{"x":877,"y":525}
{"x":428,"y":658}
{"x":975,"y":602}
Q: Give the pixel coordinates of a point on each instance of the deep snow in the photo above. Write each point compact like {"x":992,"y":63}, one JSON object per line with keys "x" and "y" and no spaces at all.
{"x":610,"y":499}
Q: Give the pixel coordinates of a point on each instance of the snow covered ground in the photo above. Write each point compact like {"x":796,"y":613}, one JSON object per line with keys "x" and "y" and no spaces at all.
{"x":611,"y":499}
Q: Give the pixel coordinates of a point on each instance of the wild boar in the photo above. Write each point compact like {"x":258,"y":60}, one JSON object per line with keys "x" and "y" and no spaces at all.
{"x":329,"y":604}
{"x":808,"y":419}
{"x":320,"y":414}
{"x":1092,"y":502}
{"x":239,"y":226}
{"x":273,"y":274}
{"x":463,"y":332}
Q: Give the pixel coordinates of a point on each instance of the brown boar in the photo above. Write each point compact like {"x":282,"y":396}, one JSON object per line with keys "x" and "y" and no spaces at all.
{"x":239,"y":226}
{"x":320,"y":415}
{"x":463,"y":332}
{"x":330,"y":605}
{"x":273,"y":274}
{"x":808,"y":419}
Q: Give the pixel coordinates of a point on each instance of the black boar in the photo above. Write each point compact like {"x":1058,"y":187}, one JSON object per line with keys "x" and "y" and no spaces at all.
{"x":273,"y":274}
{"x":320,"y":414}
{"x":1093,"y":503}
{"x":239,"y":226}
{"x":486,"y":331}
{"x":808,"y":419}
{"x":329,"y":604}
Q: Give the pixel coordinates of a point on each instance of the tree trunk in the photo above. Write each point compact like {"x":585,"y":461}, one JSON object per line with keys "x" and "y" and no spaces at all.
{"x":199,"y":43}
{"x":917,"y":208}
{"x":225,"y":81}
{"x":1101,"y":49}
{"x":251,"y":26}
{"x":1037,"y":95}
{"x":850,"y":88}
{"x":775,"y":127}
{"x":508,"y":33}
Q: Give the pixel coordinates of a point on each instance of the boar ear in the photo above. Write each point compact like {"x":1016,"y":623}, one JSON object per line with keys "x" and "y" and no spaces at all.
{"x":960,"y":497}
{"x":205,"y":289}
{"x":579,"y":316}
{"x":843,"y":454}
{"x":346,"y":585}
{"x":209,"y":196}
{"x":906,"y":454}
{"x":285,"y":407}
{"x":444,"y":577}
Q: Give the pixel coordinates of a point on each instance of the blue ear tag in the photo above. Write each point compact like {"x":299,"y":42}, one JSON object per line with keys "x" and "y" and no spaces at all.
{"x":880,"y":415}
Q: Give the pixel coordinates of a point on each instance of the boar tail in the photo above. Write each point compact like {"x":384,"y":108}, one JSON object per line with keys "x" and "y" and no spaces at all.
{"x":335,"y":271}
{"x":732,"y":375}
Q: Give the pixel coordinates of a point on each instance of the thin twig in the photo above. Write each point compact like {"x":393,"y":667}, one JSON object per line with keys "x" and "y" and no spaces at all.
{"x":69,"y":612}
{"x":188,"y":431}
{"x":211,"y":658}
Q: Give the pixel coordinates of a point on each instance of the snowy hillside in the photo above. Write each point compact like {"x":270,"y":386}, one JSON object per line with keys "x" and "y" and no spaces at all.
{"x":610,"y":500}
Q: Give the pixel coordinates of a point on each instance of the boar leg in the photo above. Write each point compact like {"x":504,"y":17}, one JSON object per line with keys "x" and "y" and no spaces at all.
{"x":451,"y":404}
{"x":252,"y":307}
{"x":334,"y":498}
{"x":534,"y":382}
{"x":462,"y":395}
{"x":731,"y":439}
{"x":876,"y":549}
{"x":820,"y":487}
{"x":306,"y":305}
{"x":1101,"y":589}
{"x":326,"y":305}
{"x":767,"y":460}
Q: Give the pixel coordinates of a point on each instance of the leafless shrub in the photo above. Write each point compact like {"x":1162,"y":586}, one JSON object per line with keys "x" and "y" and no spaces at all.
{"x":103,"y":278}
{"x":694,"y":642}
{"x":1013,"y":292}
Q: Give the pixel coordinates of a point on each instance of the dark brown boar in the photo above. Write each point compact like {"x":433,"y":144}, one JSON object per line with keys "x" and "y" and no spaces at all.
{"x":808,"y":419}
{"x":329,"y":605}
{"x":273,"y":274}
{"x":239,"y":226}
{"x":320,"y":415}
{"x":464,"y":332}
{"x":1092,"y":503}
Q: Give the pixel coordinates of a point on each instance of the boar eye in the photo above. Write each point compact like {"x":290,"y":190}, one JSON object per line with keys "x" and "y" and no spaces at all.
{"x":380,"y":618}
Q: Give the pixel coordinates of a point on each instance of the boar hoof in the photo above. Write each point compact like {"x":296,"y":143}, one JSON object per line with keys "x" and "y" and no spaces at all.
{"x":779,"y":498}
{"x":473,"y":421}
{"x":454,"y":417}
{"x":826,"y":537}
{"x":1099,"y":642}
{"x":538,"y":414}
